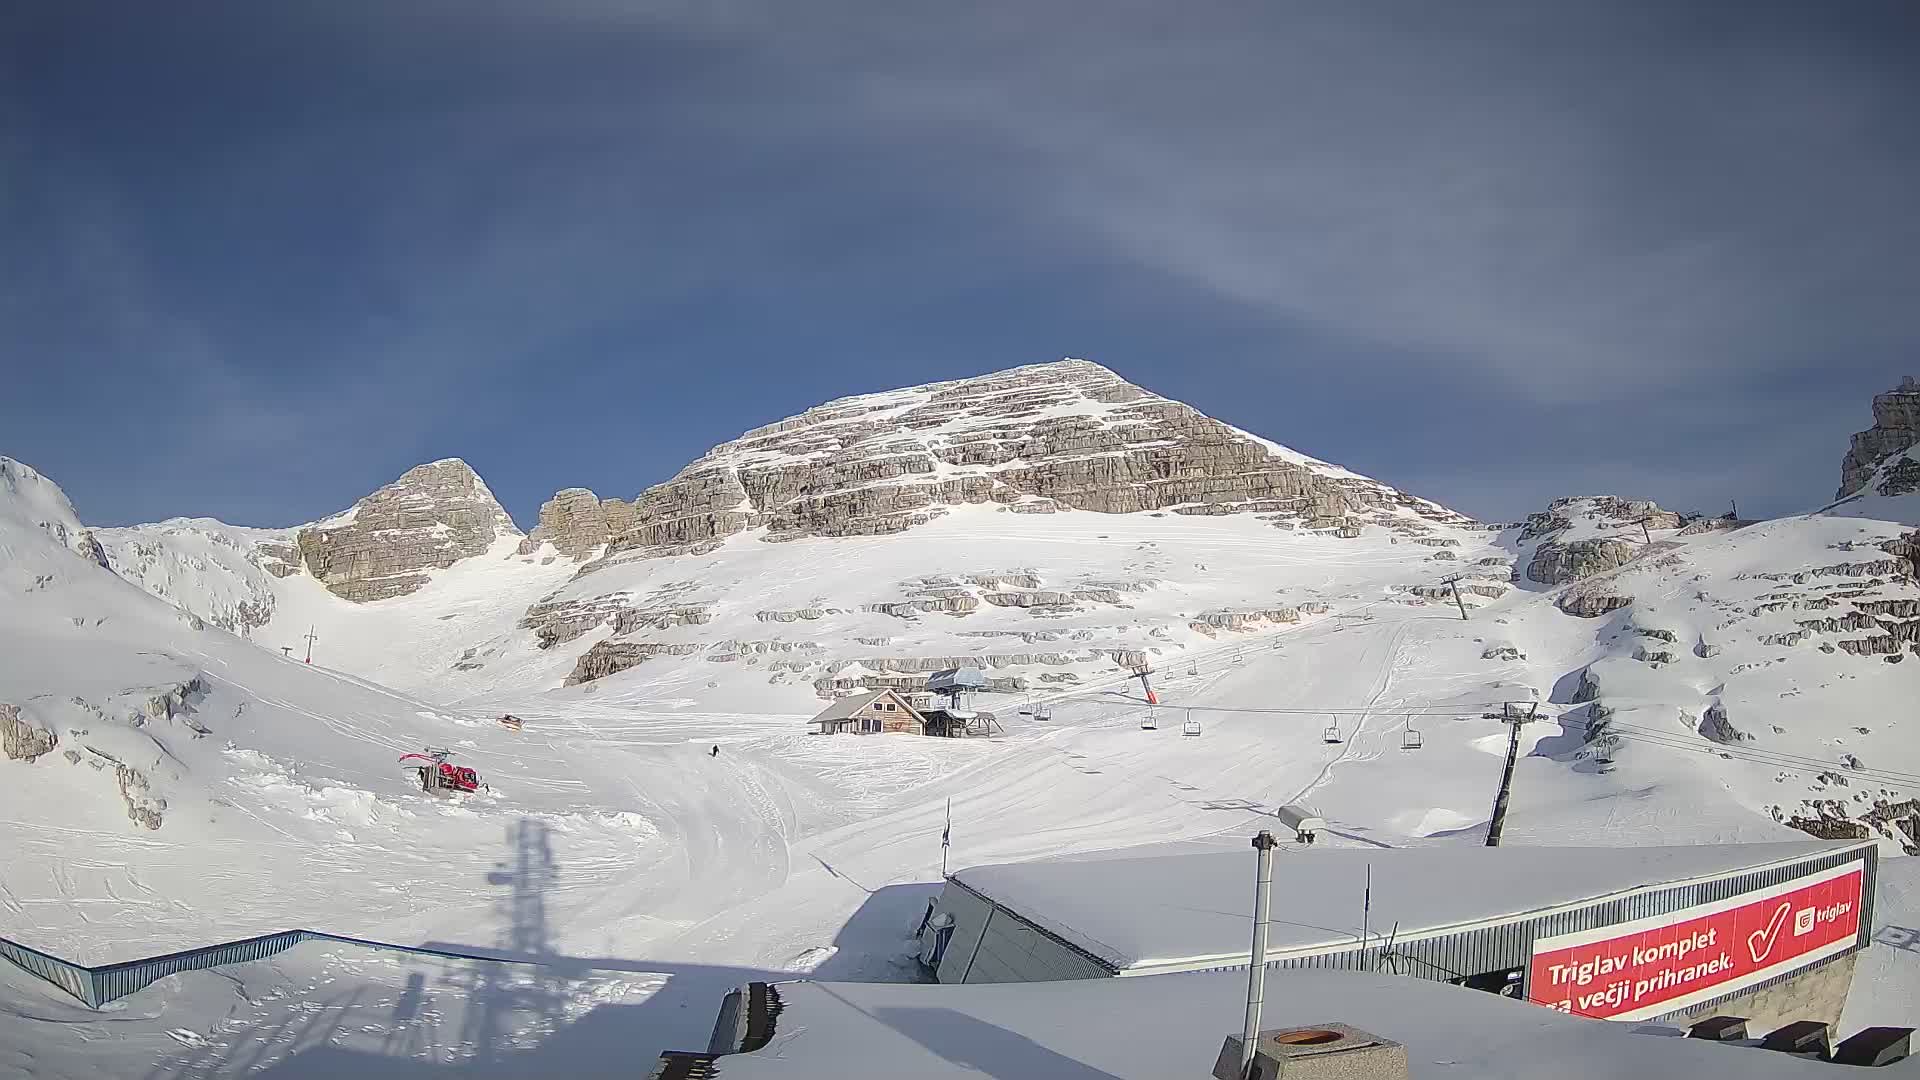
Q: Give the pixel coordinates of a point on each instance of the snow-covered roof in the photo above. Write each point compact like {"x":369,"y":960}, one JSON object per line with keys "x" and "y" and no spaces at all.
{"x":846,"y":707}
{"x":1166,"y":906}
{"x":1173,"y":1026}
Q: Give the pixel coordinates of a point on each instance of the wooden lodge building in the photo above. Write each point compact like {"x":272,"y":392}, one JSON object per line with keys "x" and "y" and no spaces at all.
{"x":870,"y":714}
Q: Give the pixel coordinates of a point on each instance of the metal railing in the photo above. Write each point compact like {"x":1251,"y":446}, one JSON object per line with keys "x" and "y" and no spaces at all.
{"x":96,"y":986}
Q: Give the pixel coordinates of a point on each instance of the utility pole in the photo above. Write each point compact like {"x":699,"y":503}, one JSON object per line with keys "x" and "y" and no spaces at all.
{"x":1264,"y":843}
{"x":1454,"y":582}
{"x":310,"y":640}
{"x":1499,"y":822}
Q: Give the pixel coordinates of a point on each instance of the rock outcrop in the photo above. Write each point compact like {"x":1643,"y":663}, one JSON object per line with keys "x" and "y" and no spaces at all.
{"x":611,"y":657}
{"x":1896,"y":427}
{"x":1587,"y":535}
{"x":1064,"y":436}
{"x":20,"y":740}
{"x":432,"y":517}
{"x":578,"y":523}
{"x":1557,"y":564}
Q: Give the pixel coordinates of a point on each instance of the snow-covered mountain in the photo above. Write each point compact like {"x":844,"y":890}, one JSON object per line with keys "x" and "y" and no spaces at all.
{"x":781,"y":551}
{"x":1693,"y":680}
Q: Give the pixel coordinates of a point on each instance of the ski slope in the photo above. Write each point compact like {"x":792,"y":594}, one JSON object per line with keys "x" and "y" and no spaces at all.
{"x":640,"y":870}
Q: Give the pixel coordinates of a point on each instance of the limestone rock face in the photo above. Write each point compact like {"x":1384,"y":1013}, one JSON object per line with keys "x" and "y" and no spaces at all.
{"x":1557,"y":564}
{"x":577,"y":523}
{"x":611,"y":657}
{"x":432,"y":517}
{"x":1041,"y":439}
{"x":20,"y":740}
{"x":1582,"y":536}
{"x":1896,"y":427}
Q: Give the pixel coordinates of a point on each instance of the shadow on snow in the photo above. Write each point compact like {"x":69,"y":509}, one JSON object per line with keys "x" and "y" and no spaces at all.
{"x":530,"y":1013}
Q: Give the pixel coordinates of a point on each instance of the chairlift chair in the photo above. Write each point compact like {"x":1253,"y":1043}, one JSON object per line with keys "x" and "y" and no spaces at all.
{"x":1410,"y":737}
{"x":1603,"y":752}
{"x":1332,"y":733}
{"x":1148,"y":722}
{"x":1191,"y":726}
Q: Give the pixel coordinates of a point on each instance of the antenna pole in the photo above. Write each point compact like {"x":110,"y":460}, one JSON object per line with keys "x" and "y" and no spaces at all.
{"x":1366,"y":915}
{"x":1264,"y":843}
{"x":946,"y":840}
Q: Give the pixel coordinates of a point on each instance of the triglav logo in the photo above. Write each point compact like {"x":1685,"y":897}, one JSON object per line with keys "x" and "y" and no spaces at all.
{"x":1803,"y":922}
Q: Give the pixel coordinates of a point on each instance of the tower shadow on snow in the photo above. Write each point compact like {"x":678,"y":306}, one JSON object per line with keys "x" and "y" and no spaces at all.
{"x":519,"y":1015}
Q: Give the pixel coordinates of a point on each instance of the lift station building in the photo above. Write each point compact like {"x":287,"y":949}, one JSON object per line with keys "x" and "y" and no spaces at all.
{"x":1614,"y":933}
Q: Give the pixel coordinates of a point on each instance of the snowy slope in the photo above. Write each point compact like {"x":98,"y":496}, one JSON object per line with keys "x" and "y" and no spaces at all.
{"x":168,"y":783}
{"x":1890,"y":494}
{"x":1044,"y":600}
{"x":639,"y":848}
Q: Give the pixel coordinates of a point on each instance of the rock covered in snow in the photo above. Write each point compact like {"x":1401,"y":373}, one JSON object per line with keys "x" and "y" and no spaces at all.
{"x":1578,"y":537}
{"x":40,"y":502}
{"x":1068,"y":435}
{"x":432,"y":517}
{"x":1896,"y":427}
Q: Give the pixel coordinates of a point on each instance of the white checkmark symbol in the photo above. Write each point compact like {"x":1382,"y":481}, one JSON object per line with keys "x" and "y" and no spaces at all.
{"x":1760,"y":942}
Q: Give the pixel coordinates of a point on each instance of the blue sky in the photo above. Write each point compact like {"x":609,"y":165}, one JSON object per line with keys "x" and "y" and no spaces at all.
{"x":258,"y":259}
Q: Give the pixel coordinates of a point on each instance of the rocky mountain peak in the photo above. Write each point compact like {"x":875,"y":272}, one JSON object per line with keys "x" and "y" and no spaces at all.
{"x":433,"y":516}
{"x":1896,"y":427}
{"x":1046,"y":438}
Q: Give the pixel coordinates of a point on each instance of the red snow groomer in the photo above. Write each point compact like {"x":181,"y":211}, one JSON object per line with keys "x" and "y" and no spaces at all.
{"x":436,"y":775}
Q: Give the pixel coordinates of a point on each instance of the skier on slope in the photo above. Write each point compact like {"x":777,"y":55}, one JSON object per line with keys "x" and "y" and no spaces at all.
{"x":716,"y":752}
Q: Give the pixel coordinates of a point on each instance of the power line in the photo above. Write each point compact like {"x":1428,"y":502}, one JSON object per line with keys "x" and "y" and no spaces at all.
{"x":1900,"y":779}
{"x":1753,"y":753}
{"x":1836,"y":767}
{"x":1228,"y":651}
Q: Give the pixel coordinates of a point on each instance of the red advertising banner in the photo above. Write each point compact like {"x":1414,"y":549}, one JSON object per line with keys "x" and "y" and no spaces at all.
{"x":1645,"y":968}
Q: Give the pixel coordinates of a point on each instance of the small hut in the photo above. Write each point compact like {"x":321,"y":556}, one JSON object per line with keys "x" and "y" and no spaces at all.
{"x":870,"y":714}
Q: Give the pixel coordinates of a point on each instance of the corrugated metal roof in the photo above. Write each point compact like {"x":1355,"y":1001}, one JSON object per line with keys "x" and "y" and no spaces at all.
{"x":1179,"y":908}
